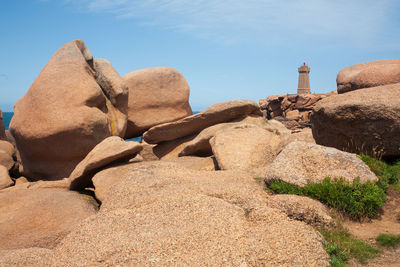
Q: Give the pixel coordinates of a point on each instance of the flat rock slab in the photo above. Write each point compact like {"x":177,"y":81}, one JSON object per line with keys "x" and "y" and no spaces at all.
{"x":200,"y":145}
{"x":245,"y":147}
{"x":300,"y":162}
{"x":217,"y":113}
{"x":364,"y":121}
{"x":40,"y":217}
{"x":111,"y":150}
{"x":304,"y":209}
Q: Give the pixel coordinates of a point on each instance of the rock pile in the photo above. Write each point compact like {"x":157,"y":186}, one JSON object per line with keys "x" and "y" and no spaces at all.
{"x":292,"y":110}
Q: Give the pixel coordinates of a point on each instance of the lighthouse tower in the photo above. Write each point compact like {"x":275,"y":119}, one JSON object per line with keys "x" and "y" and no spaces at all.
{"x":304,"y":80}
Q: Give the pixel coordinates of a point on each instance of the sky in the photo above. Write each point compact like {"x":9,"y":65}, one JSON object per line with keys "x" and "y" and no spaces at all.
{"x":226,"y":50}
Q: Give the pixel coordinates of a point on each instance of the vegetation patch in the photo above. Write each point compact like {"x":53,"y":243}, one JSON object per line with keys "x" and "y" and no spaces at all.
{"x":387,"y":173}
{"x":341,"y":246}
{"x":388,"y":240}
{"x":356,"y":199}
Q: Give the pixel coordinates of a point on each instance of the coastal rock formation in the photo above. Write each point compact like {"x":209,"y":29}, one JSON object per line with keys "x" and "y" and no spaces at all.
{"x":40,"y":217}
{"x":73,"y":105}
{"x":292,"y":110}
{"x":5,"y":180}
{"x":156,"y":95}
{"x":217,"y":113}
{"x":303,"y":209}
{"x":111,"y":150}
{"x":245,"y":147}
{"x":300,"y":162}
{"x":2,"y":127}
{"x":200,"y":145}
{"x":369,"y":74}
{"x":6,"y":160}
{"x":364,"y":121}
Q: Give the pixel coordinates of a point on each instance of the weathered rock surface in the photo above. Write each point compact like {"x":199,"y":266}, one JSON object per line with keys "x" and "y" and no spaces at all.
{"x":156,"y":95}
{"x":303,"y":209}
{"x":7,"y":147}
{"x":200,"y":145}
{"x":111,"y":150}
{"x":6,"y":160}
{"x":369,"y":74}
{"x":162,"y":214}
{"x":217,"y":113}
{"x":171,"y":149}
{"x":5,"y":180}
{"x":245,"y":147}
{"x":40,"y":217}
{"x":67,"y":111}
{"x":300,"y":162}
{"x":363,"y":121}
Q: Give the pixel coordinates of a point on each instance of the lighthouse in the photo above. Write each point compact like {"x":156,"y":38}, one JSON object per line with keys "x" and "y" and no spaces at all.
{"x":304,"y":80}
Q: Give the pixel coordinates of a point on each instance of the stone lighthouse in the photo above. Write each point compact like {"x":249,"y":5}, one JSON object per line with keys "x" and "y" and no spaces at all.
{"x":304,"y":80}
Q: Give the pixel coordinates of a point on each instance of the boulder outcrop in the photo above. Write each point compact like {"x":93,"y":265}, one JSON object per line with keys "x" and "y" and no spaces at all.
{"x":156,"y":95}
{"x":369,"y":74}
{"x":2,"y":127}
{"x":111,"y":150}
{"x":245,"y":147}
{"x":5,"y":180}
{"x":74,"y":103}
{"x":217,"y":113}
{"x":300,"y":162}
{"x":364,"y":121}
{"x":40,"y":217}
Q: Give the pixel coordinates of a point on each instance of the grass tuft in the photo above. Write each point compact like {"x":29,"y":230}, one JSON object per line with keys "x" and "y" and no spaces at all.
{"x":356,"y":199}
{"x":341,"y":246}
{"x":388,"y":240}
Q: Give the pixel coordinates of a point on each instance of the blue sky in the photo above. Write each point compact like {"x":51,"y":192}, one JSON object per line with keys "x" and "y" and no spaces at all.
{"x":231,"y":49}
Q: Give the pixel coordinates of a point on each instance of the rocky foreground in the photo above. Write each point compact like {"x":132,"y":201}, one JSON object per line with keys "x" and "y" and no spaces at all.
{"x":73,"y":192}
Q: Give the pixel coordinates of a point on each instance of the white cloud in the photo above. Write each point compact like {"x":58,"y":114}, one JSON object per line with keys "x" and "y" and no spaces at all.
{"x":275,"y":21}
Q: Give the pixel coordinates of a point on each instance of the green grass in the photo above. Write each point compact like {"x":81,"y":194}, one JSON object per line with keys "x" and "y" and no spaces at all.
{"x":341,"y":246}
{"x":356,"y":199}
{"x":396,"y":186}
{"x":387,"y":173}
{"x":388,"y":240}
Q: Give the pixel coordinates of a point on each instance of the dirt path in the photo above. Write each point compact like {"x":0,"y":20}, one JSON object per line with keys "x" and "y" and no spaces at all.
{"x":387,"y":224}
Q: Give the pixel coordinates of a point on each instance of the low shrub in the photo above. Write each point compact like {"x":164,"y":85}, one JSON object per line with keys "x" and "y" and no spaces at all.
{"x":356,"y":199}
{"x":388,"y":240}
{"x":340,"y":245}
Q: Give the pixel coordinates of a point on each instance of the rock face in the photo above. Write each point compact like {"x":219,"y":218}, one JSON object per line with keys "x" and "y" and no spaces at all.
{"x":40,"y":217}
{"x":73,"y":105}
{"x":2,"y":127}
{"x":304,"y":209}
{"x":111,"y":150}
{"x":363,"y":121}
{"x":200,"y":145}
{"x":369,"y":74}
{"x":245,"y":147}
{"x":217,"y":113}
{"x":156,"y":95}
{"x":5,"y":180}
{"x":292,"y":110}
{"x":300,"y":162}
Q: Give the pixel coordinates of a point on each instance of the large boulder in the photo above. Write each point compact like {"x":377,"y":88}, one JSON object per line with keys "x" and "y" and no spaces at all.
{"x":217,"y":113}
{"x":2,"y":127}
{"x":369,"y":74}
{"x":156,"y":95}
{"x":363,"y":121}
{"x":300,"y":162}
{"x":40,"y":217}
{"x":74,"y":103}
{"x":245,"y":147}
{"x":111,"y":150}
